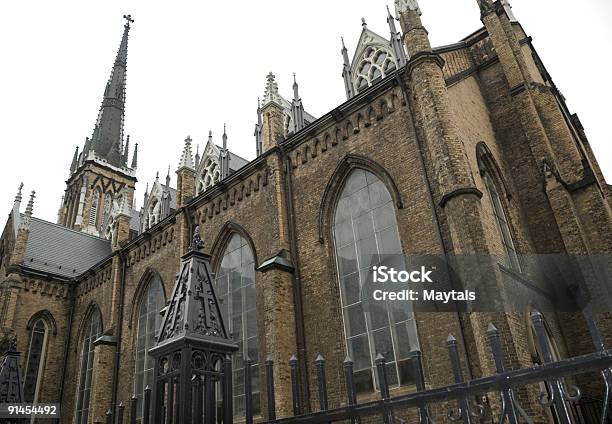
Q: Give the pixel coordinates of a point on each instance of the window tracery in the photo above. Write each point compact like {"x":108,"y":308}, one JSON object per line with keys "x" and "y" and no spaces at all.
{"x":375,"y":62}
{"x":209,"y":175}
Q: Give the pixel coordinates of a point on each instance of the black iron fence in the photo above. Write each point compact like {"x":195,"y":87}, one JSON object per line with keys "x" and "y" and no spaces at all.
{"x":464,"y":401}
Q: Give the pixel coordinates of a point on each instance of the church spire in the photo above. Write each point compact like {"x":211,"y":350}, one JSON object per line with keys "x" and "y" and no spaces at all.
{"x":107,"y":137}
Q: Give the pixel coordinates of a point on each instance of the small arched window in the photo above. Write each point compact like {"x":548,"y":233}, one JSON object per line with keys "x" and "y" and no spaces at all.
{"x":502,"y":223}
{"x":149,"y":321}
{"x":235,"y":285}
{"x":36,"y":360}
{"x":91,"y":331}
{"x":366,"y":234}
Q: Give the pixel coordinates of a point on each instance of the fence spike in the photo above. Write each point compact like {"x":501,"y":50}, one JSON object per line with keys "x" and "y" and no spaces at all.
{"x":320,"y":364}
{"x":270,"y":388}
{"x":555,"y":385}
{"x":295,"y":387}
{"x":147,"y":405}
{"x":133,"y":409}
{"x":228,"y":401}
{"x":120,"y":412}
{"x":248,"y":390}
{"x":381,"y":366}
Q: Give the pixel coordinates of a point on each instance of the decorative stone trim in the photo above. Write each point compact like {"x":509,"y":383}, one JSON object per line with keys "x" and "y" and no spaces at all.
{"x":150,"y":245}
{"x":347,"y":127}
{"x":232,"y":194}
{"x":459,"y":192}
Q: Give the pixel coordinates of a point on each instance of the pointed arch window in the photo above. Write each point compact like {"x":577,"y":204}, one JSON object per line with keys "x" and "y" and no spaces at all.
{"x":36,"y":360}
{"x":235,"y":285}
{"x":149,"y":321}
{"x":366,"y":234}
{"x":108,"y":200}
{"x":93,"y":210}
{"x":91,"y":331}
{"x":503,"y":226}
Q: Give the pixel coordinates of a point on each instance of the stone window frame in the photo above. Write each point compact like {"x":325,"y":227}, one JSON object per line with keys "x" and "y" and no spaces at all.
{"x":142,"y":294}
{"x":499,"y":195}
{"x":85,"y":376}
{"x":50,"y":329}
{"x":401,"y":361}
{"x":219,"y":251}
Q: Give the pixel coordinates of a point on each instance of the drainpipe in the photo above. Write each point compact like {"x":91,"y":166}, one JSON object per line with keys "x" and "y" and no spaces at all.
{"x":297,"y":281}
{"x":432,"y":205}
{"x":122,"y":258}
{"x":67,"y":343}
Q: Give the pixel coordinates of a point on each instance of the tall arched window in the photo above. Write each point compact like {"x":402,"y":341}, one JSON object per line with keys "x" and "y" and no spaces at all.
{"x":149,"y":320}
{"x":235,"y":286}
{"x":36,"y":359}
{"x":91,"y":331}
{"x":365,"y":232}
{"x":502,"y":223}
{"x":93,"y":210}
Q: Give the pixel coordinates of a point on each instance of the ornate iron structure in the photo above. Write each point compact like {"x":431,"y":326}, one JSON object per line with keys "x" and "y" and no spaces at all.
{"x":193,"y":367}
{"x":11,"y":381}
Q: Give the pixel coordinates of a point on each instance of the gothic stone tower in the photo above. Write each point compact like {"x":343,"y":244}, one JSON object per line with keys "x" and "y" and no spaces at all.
{"x":100,"y":174}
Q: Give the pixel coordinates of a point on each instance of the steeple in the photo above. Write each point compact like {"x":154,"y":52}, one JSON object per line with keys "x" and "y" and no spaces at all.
{"x":346,"y":72}
{"x":396,"y":40}
{"x":107,"y":137}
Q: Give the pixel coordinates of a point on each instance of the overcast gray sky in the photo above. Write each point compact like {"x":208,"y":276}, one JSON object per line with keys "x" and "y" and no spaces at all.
{"x":194,"y":65}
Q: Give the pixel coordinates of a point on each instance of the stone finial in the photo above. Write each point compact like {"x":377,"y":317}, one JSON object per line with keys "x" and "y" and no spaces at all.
{"x":271,"y":94}
{"x":508,"y":8}
{"x":403,"y":6}
{"x":18,"y":196}
{"x":27,"y":216}
{"x":363,"y":23}
{"x":135,"y":157}
{"x":196,"y":241}
{"x":187,"y":156}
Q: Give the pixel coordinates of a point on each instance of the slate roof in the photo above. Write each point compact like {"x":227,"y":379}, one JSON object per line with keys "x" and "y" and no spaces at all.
{"x":62,"y":251}
{"x":134,"y":220}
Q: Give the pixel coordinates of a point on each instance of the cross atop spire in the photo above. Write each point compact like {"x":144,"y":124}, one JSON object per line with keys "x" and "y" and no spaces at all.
{"x":128,"y":19}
